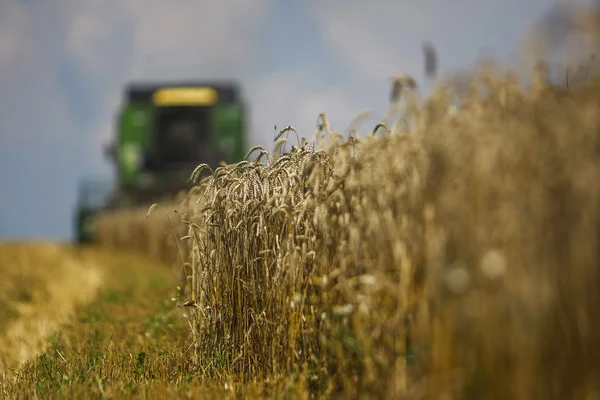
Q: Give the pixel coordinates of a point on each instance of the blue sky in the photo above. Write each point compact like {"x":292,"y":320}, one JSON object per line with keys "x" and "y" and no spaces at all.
{"x":63,"y":64}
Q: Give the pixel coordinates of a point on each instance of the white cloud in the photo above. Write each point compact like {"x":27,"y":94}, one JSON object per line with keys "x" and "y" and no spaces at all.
{"x":213,"y":38}
{"x":95,"y":37}
{"x":164,"y":39}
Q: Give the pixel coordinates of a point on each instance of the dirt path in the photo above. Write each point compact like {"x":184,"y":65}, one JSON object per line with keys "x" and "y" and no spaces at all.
{"x":42,"y":285}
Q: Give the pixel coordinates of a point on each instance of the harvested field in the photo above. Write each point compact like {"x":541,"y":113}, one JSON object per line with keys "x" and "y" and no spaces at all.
{"x":41,"y":287}
{"x":117,"y":337}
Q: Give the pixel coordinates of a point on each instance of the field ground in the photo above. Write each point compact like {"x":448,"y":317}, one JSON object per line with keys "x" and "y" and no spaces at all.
{"x":79,"y":323}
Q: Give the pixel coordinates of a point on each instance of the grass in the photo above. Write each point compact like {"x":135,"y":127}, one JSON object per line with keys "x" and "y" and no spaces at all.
{"x":130,"y":341}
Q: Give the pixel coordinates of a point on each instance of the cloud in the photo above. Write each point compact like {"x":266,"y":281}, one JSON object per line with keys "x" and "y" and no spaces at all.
{"x":215,"y":39}
{"x":161,"y":40}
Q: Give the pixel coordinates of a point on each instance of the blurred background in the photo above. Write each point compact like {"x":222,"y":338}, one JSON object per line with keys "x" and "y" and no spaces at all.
{"x":64,"y":64}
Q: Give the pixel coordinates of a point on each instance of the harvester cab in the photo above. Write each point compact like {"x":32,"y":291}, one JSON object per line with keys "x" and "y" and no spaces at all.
{"x":163,"y":131}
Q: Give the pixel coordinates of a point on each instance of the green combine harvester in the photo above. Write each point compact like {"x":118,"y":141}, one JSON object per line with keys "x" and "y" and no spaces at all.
{"x":162,"y":133}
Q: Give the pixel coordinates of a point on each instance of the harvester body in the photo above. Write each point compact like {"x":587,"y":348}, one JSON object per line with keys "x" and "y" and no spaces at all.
{"x":164,"y":131}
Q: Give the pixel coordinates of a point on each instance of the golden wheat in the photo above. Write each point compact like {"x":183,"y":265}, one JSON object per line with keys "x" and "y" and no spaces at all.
{"x":452,"y":255}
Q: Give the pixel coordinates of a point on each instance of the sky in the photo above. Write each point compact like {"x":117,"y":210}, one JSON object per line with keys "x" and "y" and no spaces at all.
{"x":63,"y":64}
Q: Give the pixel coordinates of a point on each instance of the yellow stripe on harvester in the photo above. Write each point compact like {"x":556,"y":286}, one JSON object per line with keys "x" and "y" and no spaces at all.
{"x":185,"y":96}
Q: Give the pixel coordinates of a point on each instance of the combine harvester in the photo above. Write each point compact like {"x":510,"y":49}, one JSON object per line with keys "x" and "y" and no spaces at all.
{"x":163,"y":132}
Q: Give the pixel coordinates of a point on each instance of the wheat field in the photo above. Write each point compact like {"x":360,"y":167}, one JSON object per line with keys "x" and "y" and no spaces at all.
{"x":447,"y":253}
